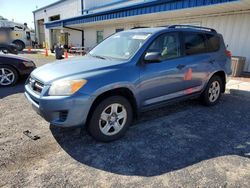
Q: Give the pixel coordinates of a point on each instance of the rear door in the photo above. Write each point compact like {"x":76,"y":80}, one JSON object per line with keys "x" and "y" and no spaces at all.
{"x":198,"y":61}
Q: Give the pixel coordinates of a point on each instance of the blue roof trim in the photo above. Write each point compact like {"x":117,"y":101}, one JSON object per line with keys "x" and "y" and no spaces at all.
{"x":134,"y":10}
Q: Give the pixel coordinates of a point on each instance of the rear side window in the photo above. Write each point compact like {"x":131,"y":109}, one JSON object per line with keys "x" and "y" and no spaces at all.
{"x":213,"y":42}
{"x":194,"y":43}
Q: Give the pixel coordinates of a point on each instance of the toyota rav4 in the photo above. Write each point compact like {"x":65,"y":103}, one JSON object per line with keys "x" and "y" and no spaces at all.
{"x":128,"y":73}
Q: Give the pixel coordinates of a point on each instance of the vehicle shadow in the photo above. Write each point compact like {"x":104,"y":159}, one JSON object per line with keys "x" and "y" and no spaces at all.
{"x":240,"y":92}
{"x":165,"y":140}
{"x":7,"y":91}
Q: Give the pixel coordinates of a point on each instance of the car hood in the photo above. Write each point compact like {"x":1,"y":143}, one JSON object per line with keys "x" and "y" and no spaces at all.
{"x":82,"y":66}
{"x":12,"y":56}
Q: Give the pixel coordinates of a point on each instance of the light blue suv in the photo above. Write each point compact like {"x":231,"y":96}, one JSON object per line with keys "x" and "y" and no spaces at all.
{"x":128,"y":73}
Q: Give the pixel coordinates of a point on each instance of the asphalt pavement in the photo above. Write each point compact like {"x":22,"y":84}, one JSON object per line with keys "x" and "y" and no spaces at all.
{"x":181,"y":145}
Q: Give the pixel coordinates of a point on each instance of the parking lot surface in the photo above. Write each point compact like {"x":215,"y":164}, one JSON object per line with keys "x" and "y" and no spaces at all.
{"x":182,"y":145}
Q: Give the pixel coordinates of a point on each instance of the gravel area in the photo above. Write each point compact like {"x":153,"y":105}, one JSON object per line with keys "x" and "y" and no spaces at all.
{"x":182,"y":145}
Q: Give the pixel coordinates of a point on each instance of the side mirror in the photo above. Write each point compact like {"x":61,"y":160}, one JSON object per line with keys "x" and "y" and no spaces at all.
{"x":152,"y":57}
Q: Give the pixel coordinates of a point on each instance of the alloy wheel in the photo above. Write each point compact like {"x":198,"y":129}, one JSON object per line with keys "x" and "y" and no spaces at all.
{"x":112,"y":119}
{"x":7,"y":76}
{"x":214,"y":91}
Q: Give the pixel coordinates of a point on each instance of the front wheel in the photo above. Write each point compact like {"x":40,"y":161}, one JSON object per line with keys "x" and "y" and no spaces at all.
{"x":8,"y":76}
{"x":212,"y":93}
{"x":110,"y":119}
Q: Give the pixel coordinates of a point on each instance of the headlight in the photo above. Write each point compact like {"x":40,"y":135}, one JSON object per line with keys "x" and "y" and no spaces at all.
{"x":66,"y":87}
{"x":28,"y":64}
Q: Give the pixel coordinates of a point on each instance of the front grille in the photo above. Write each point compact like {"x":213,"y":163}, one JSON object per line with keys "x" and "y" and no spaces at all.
{"x":36,"y":85}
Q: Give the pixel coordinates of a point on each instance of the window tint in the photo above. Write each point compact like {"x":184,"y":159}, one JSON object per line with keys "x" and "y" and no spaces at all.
{"x":213,"y":42}
{"x":167,"y":45}
{"x":194,"y":43}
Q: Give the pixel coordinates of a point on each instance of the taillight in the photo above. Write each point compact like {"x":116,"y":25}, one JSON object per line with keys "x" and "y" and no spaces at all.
{"x":228,"y":53}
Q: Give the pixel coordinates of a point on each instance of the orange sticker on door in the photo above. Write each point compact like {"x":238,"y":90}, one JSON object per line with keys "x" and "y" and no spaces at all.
{"x":188,"y":75}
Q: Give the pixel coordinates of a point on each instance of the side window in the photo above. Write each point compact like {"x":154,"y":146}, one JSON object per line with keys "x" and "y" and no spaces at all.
{"x":213,"y":42}
{"x":166,"y":45}
{"x":28,"y":35}
{"x":194,"y":43}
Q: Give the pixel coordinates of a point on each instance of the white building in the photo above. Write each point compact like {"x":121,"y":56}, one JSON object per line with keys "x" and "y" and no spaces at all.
{"x":87,"y":22}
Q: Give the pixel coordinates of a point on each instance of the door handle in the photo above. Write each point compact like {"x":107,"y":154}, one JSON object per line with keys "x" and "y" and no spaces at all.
{"x":212,"y":61}
{"x":180,"y":66}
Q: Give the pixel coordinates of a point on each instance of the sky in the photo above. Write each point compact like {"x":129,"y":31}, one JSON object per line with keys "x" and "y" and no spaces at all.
{"x":21,"y":10}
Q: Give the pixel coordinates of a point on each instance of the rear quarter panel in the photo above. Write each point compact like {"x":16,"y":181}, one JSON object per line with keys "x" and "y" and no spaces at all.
{"x":222,"y":59}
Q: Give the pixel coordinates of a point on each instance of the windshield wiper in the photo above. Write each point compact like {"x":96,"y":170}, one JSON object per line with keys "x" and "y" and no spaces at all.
{"x":98,"y":56}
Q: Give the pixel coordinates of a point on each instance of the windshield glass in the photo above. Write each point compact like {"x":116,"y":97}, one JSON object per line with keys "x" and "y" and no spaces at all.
{"x":122,"y":45}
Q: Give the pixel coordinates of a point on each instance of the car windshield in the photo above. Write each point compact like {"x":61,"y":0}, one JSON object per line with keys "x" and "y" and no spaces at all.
{"x":121,"y":46}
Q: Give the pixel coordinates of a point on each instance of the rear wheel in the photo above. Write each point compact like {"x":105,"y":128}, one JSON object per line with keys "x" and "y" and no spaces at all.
{"x":8,"y":76}
{"x":110,"y":119}
{"x":213,"y":91}
{"x":20,"y":45}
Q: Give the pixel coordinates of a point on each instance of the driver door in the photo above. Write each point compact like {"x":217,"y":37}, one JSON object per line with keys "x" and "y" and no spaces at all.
{"x":163,"y":80}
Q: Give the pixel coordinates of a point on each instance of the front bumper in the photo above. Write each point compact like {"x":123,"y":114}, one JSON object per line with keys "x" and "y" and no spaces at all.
{"x":63,"y":111}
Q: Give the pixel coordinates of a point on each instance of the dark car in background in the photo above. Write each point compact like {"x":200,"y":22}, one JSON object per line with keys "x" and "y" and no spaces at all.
{"x":8,"y":48}
{"x":13,"y":67}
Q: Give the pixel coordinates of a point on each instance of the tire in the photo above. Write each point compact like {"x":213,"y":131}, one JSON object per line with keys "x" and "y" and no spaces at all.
{"x":20,"y":45}
{"x":6,"y":70}
{"x":110,"y":127}
{"x":212,"y":93}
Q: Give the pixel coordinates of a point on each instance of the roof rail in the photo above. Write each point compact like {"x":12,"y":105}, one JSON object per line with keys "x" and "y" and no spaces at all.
{"x":140,"y":27}
{"x":194,"y":27}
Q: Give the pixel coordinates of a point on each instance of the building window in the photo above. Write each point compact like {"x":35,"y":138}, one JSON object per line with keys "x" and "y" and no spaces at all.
{"x":99,"y":36}
{"x":54,"y":18}
{"x":119,"y":30}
